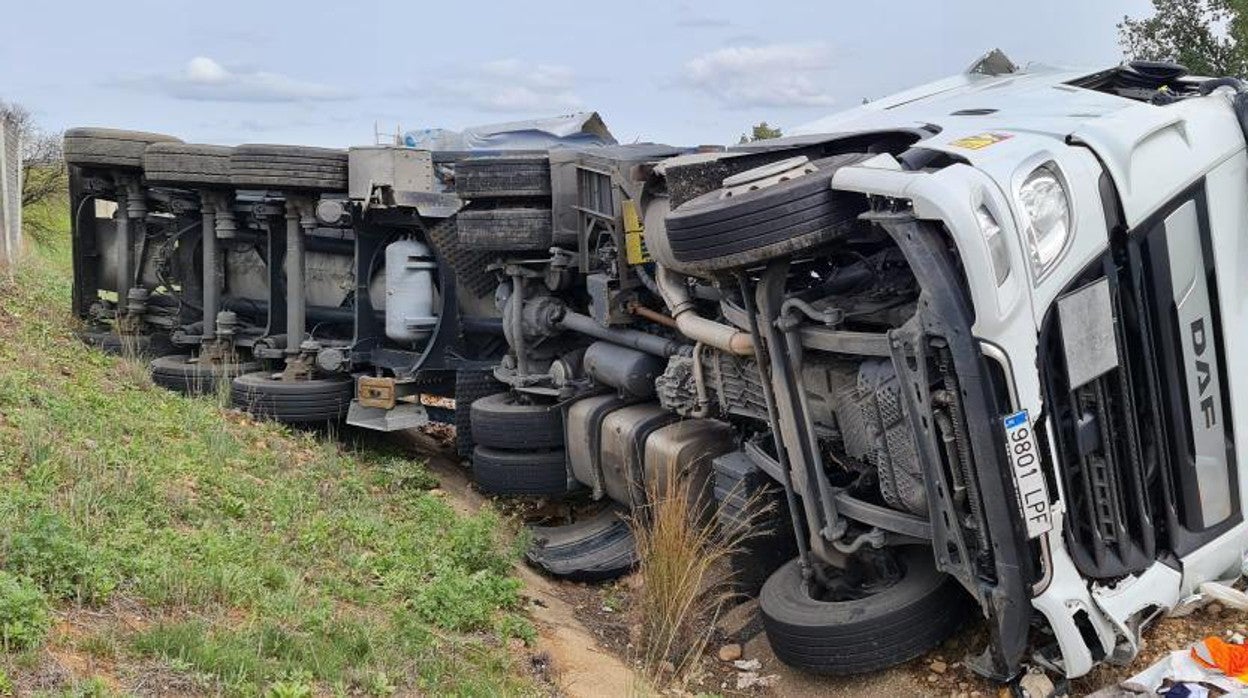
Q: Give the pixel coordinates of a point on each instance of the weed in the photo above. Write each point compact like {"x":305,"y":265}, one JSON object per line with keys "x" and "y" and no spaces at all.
{"x":685,"y":578}
{"x":24,"y":617}
{"x":44,"y":548}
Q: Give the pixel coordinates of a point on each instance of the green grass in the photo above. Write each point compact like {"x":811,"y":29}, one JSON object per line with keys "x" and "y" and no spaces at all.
{"x":237,"y":557}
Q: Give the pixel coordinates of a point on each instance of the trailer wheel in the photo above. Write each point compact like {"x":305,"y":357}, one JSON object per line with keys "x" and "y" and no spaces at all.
{"x":193,"y":164}
{"x":503,"y":176}
{"x":880,"y":628}
{"x":519,"y":473}
{"x":128,"y":346}
{"x":505,"y":228}
{"x":311,"y":401}
{"x":503,"y":421}
{"x":184,"y":374}
{"x":288,"y":167}
{"x":714,"y":231}
{"x":110,"y":147}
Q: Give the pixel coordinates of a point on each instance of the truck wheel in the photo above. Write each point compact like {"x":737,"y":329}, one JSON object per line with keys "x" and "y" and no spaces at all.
{"x":751,"y":508}
{"x":505,"y":228}
{"x":503,"y":421}
{"x":519,"y":473}
{"x":193,"y":164}
{"x":470,"y":386}
{"x":183,"y":374}
{"x":714,"y":232}
{"x":503,"y":176}
{"x":110,"y":147}
{"x":859,"y":633}
{"x":288,"y":167}
{"x":312,"y":401}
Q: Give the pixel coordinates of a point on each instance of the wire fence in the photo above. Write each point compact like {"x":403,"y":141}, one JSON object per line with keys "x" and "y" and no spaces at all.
{"x":10,"y":194}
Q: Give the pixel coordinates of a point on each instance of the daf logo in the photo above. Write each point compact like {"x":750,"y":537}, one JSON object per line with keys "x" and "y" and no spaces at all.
{"x":1204,"y":375}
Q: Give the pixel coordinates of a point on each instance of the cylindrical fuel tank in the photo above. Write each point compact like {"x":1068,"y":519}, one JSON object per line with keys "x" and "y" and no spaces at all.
{"x":630,"y":371}
{"x":410,"y":314}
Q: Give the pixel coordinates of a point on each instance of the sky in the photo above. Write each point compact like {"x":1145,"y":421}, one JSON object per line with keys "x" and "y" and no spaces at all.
{"x":321,"y":72}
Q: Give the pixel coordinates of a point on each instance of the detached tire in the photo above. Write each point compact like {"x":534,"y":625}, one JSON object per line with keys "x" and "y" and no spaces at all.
{"x":503,"y":176}
{"x":192,"y":164}
{"x":501,"y":421}
{"x":312,"y":401}
{"x":184,"y":374}
{"x":893,"y":626}
{"x":505,"y":228}
{"x":288,"y":167}
{"x":519,"y":473}
{"x":110,"y":147}
{"x":713,"y":232}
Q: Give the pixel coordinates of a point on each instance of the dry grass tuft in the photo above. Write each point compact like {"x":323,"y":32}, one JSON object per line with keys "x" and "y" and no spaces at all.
{"x":685,"y":577}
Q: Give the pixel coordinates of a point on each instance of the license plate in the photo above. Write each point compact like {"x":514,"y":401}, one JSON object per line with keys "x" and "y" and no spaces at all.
{"x":1033,"y":493}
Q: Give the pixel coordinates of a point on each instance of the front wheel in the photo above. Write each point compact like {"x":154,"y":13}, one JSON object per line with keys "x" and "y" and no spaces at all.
{"x":864,"y":625}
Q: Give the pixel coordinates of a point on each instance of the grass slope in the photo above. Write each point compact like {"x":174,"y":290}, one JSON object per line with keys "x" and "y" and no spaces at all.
{"x":151,"y":543}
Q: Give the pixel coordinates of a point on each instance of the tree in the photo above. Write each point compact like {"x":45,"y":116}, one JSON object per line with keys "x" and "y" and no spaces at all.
{"x":43,"y":162}
{"x":1210,"y":37}
{"x":762,"y":132}
{"x":44,"y":177}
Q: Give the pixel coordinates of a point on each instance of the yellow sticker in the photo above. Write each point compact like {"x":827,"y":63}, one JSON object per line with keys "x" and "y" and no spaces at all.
{"x":634,"y":234}
{"x":981,"y":141}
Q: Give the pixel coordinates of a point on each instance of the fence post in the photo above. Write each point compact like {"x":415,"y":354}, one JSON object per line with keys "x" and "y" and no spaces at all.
{"x":10,"y":195}
{"x":6,"y":257}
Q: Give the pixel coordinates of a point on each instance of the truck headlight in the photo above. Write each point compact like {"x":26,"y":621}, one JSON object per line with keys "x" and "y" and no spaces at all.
{"x":1046,"y":214}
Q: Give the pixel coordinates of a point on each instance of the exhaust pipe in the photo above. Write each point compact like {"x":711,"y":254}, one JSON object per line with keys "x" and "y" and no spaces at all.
{"x":694,"y":326}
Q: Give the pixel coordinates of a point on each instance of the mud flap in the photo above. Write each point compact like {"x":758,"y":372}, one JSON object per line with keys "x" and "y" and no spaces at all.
{"x":596,"y":549}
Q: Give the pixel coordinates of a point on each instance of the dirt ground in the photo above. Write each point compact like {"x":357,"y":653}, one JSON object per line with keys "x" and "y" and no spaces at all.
{"x":585,"y":637}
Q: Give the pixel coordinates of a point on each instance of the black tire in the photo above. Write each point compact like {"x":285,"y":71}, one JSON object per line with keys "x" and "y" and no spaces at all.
{"x":183,"y":374}
{"x":505,"y":228}
{"x":893,"y":626}
{"x":470,"y":386}
{"x":519,"y":473}
{"x":192,"y":164}
{"x":595,"y":549}
{"x":110,"y":147}
{"x":752,"y":508}
{"x":501,"y":421}
{"x":288,"y":168}
{"x":503,"y":176}
{"x":312,"y":401}
{"x":142,"y":346}
{"x":469,"y":264}
{"x":710,"y":233}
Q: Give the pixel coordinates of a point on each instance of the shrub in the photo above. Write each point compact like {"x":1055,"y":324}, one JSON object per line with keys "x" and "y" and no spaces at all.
{"x":45,"y":549}
{"x":24,"y":617}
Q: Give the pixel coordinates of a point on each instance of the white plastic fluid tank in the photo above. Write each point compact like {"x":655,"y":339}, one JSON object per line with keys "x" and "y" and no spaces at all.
{"x":410,"y":314}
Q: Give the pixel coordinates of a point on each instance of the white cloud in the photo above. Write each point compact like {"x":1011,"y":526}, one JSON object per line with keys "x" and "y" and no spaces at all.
{"x":511,"y":85}
{"x":204,"y":79}
{"x":770,"y":75}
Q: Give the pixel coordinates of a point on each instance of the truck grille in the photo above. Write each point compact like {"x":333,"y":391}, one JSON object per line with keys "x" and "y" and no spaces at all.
{"x":1107,"y":439}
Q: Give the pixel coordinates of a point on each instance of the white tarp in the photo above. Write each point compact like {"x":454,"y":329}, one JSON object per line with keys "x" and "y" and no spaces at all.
{"x":570,"y":131}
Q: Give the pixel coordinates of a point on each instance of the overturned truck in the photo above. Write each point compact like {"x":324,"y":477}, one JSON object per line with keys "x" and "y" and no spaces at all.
{"x":968,"y":345}
{"x":972,"y":343}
